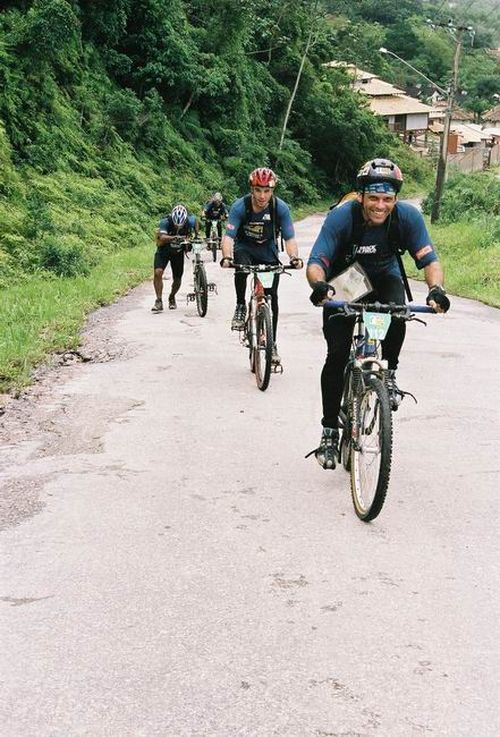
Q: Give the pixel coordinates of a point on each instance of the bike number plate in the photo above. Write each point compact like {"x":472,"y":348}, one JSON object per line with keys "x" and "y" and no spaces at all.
{"x":266,"y":278}
{"x":377,"y":324}
{"x":197,"y":247}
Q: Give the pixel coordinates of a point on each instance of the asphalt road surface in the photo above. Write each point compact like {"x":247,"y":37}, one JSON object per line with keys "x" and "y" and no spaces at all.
{"x":172,"y":566}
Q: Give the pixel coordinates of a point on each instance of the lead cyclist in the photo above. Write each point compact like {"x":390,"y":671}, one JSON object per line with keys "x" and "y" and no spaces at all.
{"x":378,"y":184}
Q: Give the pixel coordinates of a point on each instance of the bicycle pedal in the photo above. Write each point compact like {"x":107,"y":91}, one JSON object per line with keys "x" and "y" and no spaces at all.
{"x":190,"y":297}
{"x":277,"y":368}
{"x":212,"y":287}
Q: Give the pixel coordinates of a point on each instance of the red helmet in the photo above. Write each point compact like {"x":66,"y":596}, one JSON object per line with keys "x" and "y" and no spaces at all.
{"x":263,"y":177}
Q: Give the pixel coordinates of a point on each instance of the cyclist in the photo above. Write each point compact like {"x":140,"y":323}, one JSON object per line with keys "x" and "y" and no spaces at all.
{"x":173,"y":228}
{"x":214,"y":209}
{"x":368,"y":230}
{"x":251,"y":237}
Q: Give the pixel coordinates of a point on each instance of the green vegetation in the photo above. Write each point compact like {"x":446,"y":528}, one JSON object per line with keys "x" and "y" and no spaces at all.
{"x":111,"y":112}
{"x":468,"y":235}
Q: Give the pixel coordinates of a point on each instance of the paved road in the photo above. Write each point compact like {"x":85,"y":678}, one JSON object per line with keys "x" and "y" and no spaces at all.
{"x":174,"y":567}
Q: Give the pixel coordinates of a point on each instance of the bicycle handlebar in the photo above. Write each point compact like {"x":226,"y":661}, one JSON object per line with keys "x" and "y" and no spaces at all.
{"x":350,"y":307}
{"x":256,"y":268}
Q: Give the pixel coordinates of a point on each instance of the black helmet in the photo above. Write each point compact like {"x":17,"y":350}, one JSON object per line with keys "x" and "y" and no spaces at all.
{"x":379,"y":170}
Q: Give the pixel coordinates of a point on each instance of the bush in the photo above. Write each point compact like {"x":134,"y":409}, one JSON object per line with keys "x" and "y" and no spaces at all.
{"x":468,"y":197}
{"x":64,"y":255}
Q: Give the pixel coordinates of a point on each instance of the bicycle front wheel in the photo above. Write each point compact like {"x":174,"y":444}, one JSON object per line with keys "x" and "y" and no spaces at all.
{"x":263,"y":347}
{"x":213,"y":245}
{"x":371,"y":453}
{"x":201,"y":290}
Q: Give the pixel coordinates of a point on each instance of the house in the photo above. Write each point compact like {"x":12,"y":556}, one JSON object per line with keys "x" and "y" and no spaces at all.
{"x":403,"y":114}
{"x":492,"y":115}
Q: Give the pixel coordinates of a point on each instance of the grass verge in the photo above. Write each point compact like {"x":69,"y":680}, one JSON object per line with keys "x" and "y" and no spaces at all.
{"x":42,"y":316}
{"x":470,"y":258}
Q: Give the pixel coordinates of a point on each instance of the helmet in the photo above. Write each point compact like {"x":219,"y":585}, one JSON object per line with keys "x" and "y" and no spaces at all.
{"x":263,"y":177}
{"x":217,"y":197}
{"x":379,"y":171}
{"x":179,"y":215}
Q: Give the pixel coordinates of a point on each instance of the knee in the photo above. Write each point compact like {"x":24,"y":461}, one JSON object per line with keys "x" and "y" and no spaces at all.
{"x":158,"y":273}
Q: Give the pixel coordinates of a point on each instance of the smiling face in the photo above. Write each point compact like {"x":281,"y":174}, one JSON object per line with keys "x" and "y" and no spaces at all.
{"x":261,"y":197}
{"x":376,"y":206}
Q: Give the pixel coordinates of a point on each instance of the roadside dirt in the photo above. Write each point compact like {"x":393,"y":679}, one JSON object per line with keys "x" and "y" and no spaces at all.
{"x":44,"y":424}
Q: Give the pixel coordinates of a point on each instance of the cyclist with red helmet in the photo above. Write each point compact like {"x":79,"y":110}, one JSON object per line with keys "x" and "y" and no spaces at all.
{"x":371,"y":231}
{"x":172,"y":230}
{"x":251,"y":237}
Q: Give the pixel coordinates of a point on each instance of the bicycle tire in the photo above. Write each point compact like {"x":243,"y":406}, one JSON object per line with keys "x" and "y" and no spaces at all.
{"x":214,"y":246}
{"x":371,"y":462}
{"x":201,"y":290}
{"x":247,"y":336}
{"x":264,"y":347}
{"x":345,"y":428}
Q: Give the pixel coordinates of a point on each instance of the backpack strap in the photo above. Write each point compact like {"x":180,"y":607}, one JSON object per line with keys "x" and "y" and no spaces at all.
{"x":395,"y":243}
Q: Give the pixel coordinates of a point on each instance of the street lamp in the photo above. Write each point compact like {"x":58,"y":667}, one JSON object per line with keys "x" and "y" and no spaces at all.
{"x":417,"y":71}
{"x":443,"y":148}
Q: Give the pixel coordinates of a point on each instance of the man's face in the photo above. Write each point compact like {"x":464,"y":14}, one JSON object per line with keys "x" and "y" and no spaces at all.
{"x":376,"y":206}
{"x":261,"y":197}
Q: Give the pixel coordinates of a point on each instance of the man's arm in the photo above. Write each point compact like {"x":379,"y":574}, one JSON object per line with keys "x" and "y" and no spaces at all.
{"x":434,"y":278}
{"x":314,"y":274}
{"x":227,"y":246}
{"x":433,"y":274}
{"x":163,"y":238}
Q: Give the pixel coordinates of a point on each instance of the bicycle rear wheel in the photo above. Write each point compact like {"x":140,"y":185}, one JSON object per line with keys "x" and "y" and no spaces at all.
{"x":201,"y":290}
{"x":248,"y":338}
{"x":371,"y":455}
{"x":264,"y":346}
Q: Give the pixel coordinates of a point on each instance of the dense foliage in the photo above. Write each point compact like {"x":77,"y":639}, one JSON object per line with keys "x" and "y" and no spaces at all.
{"x":112,"y":111}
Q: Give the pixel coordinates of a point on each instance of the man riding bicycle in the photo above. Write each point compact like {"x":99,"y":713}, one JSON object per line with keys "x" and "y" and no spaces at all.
{"x":214,"y":209}
{"x":172,"y":230}
{"x":370,"y":230}
{"x":252,"y":235}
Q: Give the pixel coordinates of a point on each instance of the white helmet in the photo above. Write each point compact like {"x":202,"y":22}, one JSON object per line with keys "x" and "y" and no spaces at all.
{"x":179,"y":215}
{"x":217,"y":197}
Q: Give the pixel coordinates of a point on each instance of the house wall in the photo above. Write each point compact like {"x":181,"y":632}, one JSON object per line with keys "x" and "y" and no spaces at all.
{"x":416,"y":121}
{"x":474,"y":159}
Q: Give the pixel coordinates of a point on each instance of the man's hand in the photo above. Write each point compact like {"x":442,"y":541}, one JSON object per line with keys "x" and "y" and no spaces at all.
{"x":321,"y":293}
{"x":437,"y":299}
{"x":296,"y":262}
{"x":226,"y":262}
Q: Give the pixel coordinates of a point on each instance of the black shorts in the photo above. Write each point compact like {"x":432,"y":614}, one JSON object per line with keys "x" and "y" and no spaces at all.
{"x":167,"y":254}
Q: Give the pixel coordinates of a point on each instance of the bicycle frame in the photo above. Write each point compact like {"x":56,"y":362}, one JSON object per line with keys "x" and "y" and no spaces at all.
{"x":257,"y":334}
{"x":201,"y":285}
{"x":365,"y":448}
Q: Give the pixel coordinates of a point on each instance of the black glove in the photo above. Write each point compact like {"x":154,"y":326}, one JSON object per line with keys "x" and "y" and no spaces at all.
{"x":296,"y":262}
{"x":320,"y":292}
{"x":438,"y":295}
{"x":226,"y":262}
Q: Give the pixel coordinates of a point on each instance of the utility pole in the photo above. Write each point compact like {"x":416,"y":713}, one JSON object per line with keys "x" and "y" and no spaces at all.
{"x":456,"y":33}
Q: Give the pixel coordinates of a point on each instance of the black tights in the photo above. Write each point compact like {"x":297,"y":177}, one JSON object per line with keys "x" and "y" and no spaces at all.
{"x":338,"y":336}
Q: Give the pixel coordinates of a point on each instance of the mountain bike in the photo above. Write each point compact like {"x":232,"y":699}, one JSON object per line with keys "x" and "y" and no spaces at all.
{"x":200,"y":282}
{"x":257,"y":333}
{"x":213,"y":240}
{"x":365,"y":418}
